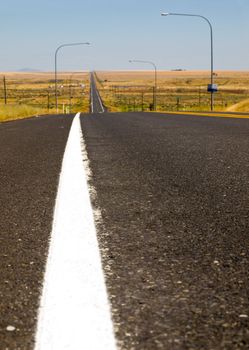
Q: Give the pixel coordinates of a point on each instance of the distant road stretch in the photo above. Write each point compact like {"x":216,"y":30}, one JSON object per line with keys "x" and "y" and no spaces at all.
{"x":97,"y":105}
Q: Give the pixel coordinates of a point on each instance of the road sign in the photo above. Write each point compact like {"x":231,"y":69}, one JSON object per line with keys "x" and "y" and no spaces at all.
{"x":212,"y":88}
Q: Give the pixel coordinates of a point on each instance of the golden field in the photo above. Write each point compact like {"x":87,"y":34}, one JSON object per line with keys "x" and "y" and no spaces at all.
{"x":34,"y":94}
{"x":177,"y":90}
{"x":31,"y":94}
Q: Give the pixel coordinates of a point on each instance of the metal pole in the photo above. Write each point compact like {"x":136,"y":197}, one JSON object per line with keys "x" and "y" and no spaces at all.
{"x":5,"y":90}
{"x":48,"y":100}
{"x":212,"y":49}
{"x":55,"y":68}
{"x":177,"y":103}
{"x":155,"y":90}
{"x":212,"y":63}
{"x":70,"y":90}
{"x":155,"y":86}
{"x":70,"y":98}
{"x":55,"y":80}
{"x":70,"y":93}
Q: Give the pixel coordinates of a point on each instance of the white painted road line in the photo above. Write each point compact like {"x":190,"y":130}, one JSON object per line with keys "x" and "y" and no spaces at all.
{"x":91,"y":99}
{"x":74,"y":311}
{"x":100,"y":102}
{"x":93,"y":87}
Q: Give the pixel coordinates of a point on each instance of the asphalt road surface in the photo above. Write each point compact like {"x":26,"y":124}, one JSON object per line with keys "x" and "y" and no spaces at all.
{"x":174,"y":197}
{"x":31,"y":152}
{"x":173,"y":191}
{"x":97,"y":105}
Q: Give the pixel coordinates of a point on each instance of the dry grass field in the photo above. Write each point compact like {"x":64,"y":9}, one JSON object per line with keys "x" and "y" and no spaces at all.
{"x":34,"y":94}
{"x":31,"y":94}
{"x":177,"y":90}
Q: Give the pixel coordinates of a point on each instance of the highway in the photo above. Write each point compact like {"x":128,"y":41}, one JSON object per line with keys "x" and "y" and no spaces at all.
{"x":171,"y":193}
{"x":97,"y":105}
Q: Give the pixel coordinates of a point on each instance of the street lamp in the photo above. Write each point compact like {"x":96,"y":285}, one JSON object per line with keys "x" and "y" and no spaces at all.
{"x":211,"y":88}
{"x":155,"y":87}
{"x":55,"y":70}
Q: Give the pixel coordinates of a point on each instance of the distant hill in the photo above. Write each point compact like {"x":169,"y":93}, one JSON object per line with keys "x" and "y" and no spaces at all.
{"x":28,"y":70}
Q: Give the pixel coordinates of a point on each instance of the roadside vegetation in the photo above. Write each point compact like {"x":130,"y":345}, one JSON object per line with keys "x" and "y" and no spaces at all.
{"x":177,"y":90}
{"x":242,"y":106}
{"x":31,"y":94}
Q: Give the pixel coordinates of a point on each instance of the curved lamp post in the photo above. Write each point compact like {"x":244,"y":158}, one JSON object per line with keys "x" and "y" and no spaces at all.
{"x":55,"y":70}
{"x":155,"y":87}
{"x":212,"y":88}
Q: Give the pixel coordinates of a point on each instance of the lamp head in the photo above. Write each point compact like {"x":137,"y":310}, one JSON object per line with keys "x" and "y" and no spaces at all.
{"x":165,"y":14}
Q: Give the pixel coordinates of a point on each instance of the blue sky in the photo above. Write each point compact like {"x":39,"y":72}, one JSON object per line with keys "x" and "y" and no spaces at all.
{"x":31,"y":30}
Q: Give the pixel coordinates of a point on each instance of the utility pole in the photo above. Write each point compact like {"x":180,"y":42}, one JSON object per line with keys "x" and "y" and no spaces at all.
{"x":142,"y":101}
{"x":5,"y":90}
{"x":48,"y":100}
{"x":178,"y":103}
{"x":70,"y":95}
